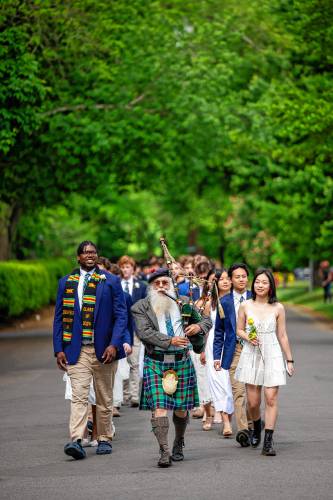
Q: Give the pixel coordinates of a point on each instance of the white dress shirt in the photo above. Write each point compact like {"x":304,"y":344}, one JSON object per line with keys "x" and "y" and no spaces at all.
{"x":237,"y":303}
{"x":80,"y":285}
{"x":237,"y":300}
{"x":130,"y":284}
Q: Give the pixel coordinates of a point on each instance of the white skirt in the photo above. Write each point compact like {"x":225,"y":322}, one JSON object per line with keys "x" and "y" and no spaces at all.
{"x":219,"y":381}
{"x":221,"y":390}
{"x":263,"y":366}
{"x":202,"y":379}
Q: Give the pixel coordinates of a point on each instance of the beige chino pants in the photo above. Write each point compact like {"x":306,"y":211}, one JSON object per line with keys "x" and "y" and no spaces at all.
{"x":80,"y":374}
{"x":132,"y":386}
{"x":238,"y":391}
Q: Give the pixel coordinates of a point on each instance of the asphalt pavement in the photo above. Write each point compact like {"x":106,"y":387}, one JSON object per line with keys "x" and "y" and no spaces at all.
{"x":34,"y":429}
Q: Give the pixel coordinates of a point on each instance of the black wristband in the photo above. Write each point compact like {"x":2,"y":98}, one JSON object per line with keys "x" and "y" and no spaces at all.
{"x":290,"y":361}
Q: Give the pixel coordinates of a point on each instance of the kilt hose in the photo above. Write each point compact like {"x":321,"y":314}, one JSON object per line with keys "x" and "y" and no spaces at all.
{"x":152,"y":394}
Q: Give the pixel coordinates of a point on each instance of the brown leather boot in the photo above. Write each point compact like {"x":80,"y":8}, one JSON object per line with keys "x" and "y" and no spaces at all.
{"x":160,"y":426}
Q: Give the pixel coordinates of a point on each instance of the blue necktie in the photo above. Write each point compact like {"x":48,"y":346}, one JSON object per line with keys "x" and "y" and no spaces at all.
{"x":168,"y":324}
{"x":241,"y":299}
{"x":127,"y":287}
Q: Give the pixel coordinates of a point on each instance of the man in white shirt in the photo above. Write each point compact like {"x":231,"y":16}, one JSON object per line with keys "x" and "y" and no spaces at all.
{"x":137,"y":290}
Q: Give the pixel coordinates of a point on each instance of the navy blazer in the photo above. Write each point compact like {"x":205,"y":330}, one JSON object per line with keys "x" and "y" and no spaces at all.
{"x":139,"y":290}
{"x":225,"y":335}
{"x":184,"y":289}
{"x":110,"y":320}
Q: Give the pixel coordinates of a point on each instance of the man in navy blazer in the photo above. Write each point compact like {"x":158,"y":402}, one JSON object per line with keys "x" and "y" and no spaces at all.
{"x":88,"y":334}
{"x":137,"y":290}
{"x":227,"y":346}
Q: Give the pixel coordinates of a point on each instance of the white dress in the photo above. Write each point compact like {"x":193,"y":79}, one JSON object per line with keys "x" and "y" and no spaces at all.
{"x":202,"y":378}
{"x":219,"y":381}
{"x":263,"y":364}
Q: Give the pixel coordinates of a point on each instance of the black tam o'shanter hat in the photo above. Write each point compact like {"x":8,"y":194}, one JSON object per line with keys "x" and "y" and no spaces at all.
{"x":163,"y":271}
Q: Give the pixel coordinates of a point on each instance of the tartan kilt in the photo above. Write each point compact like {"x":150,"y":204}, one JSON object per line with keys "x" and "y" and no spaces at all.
{"x":152,"y":394}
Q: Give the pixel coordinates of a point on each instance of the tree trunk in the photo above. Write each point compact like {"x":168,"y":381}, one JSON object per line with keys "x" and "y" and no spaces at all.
{"x":192,"y":241}
{"x":9,"y":217}
{"x":311,"y":278}
{"x":4,"y":236}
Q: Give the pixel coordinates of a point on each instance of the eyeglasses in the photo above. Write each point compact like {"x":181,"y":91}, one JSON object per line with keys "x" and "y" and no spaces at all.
{"x":92,"y":252}
{"x":161,"y":282}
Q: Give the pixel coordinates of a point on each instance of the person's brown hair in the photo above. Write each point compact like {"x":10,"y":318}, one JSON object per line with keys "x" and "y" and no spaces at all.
{"x":115,"y":269}
{"x":104,"y":262}
{"x":185,"y":259}
{"x":125,"y":259}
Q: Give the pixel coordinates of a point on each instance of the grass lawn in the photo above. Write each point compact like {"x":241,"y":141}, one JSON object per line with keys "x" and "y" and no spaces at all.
{"x":298,"y":294}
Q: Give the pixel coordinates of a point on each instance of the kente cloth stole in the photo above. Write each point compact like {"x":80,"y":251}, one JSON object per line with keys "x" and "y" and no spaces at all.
{"x":88,"y":306}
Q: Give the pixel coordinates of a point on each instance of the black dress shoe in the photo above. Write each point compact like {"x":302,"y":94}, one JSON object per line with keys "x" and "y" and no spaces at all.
{"x":243,"y":438}
{"x":134,"y":404}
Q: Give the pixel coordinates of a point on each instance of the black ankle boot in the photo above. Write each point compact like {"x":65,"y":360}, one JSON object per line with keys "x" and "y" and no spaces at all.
{"x":178,"y":444}
{"x":256,"y":433}
{"x":268,"y":448}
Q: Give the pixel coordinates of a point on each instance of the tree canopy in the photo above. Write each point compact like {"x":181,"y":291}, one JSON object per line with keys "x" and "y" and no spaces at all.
{"x":208,"y":121}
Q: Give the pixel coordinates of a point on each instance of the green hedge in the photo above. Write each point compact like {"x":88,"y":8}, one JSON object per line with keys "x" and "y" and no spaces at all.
{"x":29,"y":285}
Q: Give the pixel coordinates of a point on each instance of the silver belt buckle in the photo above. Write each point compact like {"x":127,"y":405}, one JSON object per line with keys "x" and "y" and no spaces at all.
{"x":169,"y":358}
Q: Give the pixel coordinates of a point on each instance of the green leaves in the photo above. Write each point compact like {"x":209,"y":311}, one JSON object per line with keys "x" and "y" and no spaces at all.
{"x":214,"y":121}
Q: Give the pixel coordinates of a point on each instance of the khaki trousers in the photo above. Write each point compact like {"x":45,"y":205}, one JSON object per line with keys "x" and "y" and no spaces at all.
{"x":132,"y":386}
{"x":238,"y":391}
{"x":80,"y":374}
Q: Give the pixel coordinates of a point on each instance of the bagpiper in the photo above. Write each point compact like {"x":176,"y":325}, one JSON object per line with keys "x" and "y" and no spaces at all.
{"x":169,"y":381}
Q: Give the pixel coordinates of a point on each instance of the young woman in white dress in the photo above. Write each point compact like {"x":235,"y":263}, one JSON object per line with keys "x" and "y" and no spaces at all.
{"x":261,"y":323}
{"x":218,"y":381}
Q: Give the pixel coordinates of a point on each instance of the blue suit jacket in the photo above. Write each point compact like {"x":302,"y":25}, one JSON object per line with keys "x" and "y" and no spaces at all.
{"x":139,"y":290}
{"x":110,"y":320}
{"x":184,"y":289}
{"x":225,"y":331}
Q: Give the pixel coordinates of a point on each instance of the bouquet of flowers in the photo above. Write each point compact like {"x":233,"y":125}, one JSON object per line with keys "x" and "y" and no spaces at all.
{"x":253,"y":331}
{"x":252,"y":335}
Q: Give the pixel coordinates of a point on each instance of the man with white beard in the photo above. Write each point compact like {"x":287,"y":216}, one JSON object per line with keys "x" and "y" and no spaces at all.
{"x":169,"y":381}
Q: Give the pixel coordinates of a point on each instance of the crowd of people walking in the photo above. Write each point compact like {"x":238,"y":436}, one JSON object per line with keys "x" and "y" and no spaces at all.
{"x":184,"y":336}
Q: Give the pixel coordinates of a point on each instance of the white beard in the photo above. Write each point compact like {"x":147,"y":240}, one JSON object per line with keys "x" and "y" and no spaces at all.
{"x":160,"y":303}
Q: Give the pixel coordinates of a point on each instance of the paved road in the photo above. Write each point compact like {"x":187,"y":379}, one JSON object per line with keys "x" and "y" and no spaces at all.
{"x":34,"y":420}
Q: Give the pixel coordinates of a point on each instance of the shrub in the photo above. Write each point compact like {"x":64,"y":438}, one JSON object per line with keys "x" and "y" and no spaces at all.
{"x":29,"y":285}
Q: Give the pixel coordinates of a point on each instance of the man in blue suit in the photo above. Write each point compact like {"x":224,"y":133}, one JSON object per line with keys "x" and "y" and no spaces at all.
{"x":137,"y":290}
{"x":88,"y":333}
{"x":228,"y":347}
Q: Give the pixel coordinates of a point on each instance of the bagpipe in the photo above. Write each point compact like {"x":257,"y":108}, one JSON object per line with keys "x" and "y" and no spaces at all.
{"x":189,"y":313}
